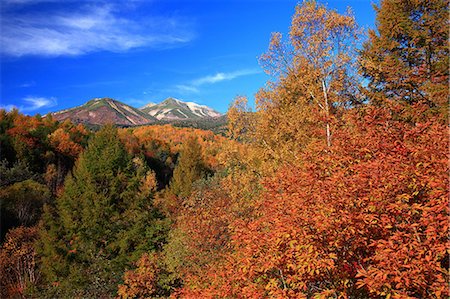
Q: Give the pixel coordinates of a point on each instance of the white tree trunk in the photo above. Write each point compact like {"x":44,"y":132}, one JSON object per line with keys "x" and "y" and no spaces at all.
{"x":327,"y":112}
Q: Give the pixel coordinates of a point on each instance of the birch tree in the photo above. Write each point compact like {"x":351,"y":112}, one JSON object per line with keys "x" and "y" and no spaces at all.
{"x":315,"y":67}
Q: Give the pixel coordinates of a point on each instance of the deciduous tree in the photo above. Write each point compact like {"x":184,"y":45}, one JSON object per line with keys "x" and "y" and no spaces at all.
{"x":143,"y":281}
{"x":367,"y":219}
{"x":314,"y":74}
{"x":18,"y":263}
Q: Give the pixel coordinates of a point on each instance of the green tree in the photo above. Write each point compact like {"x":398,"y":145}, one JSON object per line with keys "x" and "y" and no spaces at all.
{"x":103,"y":221}
{"x":17,"y":172}
{"x":22,"y":202}
{"x":6,"y":143}
{"x":189,"y":169}
{"x":21,"y":197}
{"x":406,"y":58}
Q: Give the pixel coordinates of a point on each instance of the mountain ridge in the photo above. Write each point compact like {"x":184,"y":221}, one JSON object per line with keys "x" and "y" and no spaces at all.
{"x":100,"y":111}
{"x":175,"y":109}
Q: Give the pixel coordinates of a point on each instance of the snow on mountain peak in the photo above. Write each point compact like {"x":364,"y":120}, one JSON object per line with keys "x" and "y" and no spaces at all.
{"x":172,"y":108}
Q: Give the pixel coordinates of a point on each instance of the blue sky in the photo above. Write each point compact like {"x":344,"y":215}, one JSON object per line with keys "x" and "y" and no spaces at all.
{"x":60,"y":54}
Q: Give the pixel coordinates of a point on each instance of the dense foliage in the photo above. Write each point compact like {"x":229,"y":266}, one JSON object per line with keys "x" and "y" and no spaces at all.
{"x":407,"y":59}
{"x":368,"y":218}
{"x":18,"y":259}
{"x":332,"y":188}
{"x":96,"y":227}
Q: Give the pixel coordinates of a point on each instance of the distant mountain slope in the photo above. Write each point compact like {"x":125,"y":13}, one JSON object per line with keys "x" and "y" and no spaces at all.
{"x":217,"y":124}
{"x":174,"y":109}
{"x":102,"y":111}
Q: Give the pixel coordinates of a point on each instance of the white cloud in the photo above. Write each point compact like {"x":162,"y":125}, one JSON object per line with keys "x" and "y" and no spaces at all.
{"x":31,"y":103}
{"x":211,"y":79}
{"x":34,"y":103}
{"x":186,"y":88}
{"x":193,"y":86}
{"x":89,"y":29}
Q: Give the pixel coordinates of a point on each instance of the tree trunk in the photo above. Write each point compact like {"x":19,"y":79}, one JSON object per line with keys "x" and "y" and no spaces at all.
{"x":327,"y":113}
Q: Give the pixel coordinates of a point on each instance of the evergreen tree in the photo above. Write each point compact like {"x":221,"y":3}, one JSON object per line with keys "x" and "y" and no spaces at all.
{"x":103,"y":221}
{"x":406,"y":59}
{"x":189,"y":169}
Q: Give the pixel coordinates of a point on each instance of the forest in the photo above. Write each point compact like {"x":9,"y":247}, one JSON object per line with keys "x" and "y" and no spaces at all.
{"x":334,"y":186}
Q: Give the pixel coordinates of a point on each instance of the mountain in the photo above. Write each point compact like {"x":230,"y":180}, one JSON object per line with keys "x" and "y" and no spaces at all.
{"x":174,"y":109}
{"x":101,"y":111}
{"x":217,"y":124}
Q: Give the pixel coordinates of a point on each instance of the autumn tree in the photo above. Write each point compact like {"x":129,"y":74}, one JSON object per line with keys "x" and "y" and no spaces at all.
{"x":162,"y":144}
{"x":143,"y":281}
{"x":150,"y":279}
{"x":28,"y":137}
{"x":196,"y":238}
{"x":44,"y":145}
{"x":368,"y":219}
{"x":241,"y":120}
{"x":200,"y":236}
{"x":364,"y":218}
{"x":103,"y":221}
{"x":66,"y":142}
{"x":406,"y":58}
{"x":314,"y":76}
{"x":197,"y":243}
{"x":18,"y":263}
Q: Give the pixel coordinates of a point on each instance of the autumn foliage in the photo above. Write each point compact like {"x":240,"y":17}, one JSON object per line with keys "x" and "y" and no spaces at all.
{"x":367,"y":219}
{"x":331,"y":188}
{"x":18,"y":262}
{"x":363,"y":216}
{"x":172,"y":138}
{"x":141,"y":283}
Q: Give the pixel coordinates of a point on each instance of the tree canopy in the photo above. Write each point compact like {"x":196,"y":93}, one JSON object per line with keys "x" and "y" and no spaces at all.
{"x":102,"y":221}
{"x":335,"y":186}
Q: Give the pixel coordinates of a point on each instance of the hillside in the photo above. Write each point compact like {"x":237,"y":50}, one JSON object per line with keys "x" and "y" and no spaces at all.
{"x":217,"y":125}
{"x":102,"y":111}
